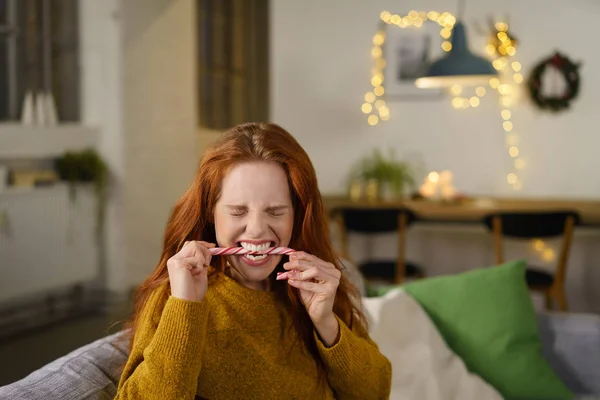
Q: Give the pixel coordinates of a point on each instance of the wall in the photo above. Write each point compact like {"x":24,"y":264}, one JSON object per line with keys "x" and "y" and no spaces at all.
{"x":325,"y":46}
{"x":320,"y":71}
{"x":102,"y":98}
{"x":47,"y":241}
{"x":138,"y":61}
{"x":159,"y":105}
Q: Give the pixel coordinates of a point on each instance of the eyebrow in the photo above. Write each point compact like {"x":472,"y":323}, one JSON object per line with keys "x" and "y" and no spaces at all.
{"x":268,"y":209}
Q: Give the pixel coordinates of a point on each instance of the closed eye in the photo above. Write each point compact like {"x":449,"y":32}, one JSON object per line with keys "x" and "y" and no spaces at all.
{"x":237,"y":211}
{"x":277,"y":211}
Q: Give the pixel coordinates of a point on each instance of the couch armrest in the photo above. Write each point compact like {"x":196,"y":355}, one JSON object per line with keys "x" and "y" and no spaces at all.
{"x":571,"y":343}
{"x":90,"y":372}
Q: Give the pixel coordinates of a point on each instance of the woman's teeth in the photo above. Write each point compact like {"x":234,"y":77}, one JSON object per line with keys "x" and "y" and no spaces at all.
{"x":256,"y":247}
{"x":256,"y":257}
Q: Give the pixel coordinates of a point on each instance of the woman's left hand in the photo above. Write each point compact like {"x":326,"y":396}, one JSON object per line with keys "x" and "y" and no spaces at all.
{"x":317,"y":281}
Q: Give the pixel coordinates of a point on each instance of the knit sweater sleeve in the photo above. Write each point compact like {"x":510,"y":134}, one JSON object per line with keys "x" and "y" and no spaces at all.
{"x":355,"y":367}
{"x":165,"y":359}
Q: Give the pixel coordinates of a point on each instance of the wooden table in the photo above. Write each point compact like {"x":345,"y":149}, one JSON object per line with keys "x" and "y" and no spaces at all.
{"x":473,"y":210}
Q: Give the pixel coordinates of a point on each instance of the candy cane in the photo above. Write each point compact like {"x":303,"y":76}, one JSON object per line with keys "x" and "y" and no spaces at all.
{"x":228,"y":251}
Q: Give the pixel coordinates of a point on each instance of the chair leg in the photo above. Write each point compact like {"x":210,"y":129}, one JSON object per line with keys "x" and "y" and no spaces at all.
{"x":548,"y":299}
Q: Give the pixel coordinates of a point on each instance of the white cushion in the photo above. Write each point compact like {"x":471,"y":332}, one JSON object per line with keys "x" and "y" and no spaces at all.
{"x":423,"y":367}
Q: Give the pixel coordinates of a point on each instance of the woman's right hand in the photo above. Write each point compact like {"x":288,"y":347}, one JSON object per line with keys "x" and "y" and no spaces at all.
{"x":188,"y":271}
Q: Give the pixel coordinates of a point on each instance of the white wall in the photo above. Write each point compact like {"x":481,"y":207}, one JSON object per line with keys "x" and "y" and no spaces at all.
{"x":102,"y":101}
{"x":160,"y":134}
{"x":139,"y":86}
{"x":321,"y":70}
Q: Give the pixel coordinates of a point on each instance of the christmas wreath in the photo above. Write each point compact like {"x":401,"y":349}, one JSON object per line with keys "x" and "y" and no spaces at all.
{"x":569,"y":71}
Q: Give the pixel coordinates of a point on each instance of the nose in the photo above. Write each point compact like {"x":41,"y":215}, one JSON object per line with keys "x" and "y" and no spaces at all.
{"x":257,"y":226}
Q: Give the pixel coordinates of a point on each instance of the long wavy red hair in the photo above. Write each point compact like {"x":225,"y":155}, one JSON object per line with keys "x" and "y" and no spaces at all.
{"x":192,"y":219}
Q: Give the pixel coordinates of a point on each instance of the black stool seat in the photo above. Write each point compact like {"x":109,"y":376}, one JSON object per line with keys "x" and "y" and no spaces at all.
{"x":537,"y":277}
{"x":387,"y":270}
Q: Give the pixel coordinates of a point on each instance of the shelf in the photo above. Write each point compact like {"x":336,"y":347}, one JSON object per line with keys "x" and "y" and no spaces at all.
{"x":41,"y":190}
{"x":19,"y":141}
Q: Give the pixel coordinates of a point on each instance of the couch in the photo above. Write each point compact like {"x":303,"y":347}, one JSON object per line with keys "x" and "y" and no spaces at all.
{"x":571,"y":343}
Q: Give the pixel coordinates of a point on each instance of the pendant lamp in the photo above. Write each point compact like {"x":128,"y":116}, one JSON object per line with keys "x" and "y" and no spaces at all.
{"x":459,"y":66}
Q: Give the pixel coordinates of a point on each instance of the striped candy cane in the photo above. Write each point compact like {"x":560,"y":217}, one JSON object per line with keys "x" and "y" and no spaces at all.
{"x":229,"y":251}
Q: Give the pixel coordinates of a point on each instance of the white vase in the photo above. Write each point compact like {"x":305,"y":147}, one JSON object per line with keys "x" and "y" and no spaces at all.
{"x":40,"y":109}
{"x":27,"y":114}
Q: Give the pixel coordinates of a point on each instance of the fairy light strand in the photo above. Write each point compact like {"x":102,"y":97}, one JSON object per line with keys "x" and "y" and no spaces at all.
{"x":502,"y":51}
{"x":374,"y":105}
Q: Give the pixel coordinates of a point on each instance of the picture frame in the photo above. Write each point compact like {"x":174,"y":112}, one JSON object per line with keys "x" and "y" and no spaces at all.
{"x":408,"y":53}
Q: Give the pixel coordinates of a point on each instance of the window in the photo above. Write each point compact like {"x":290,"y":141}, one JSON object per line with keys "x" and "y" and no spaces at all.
{"x":39,"y":53}
{"x":233,"y":62}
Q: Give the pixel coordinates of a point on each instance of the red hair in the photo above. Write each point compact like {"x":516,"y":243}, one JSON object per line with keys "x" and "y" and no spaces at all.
{"x":192,"y":219}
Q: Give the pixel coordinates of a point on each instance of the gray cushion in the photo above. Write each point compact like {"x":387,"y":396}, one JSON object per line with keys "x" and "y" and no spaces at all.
{"x":571,"y":343}
{"x":90,"y":372}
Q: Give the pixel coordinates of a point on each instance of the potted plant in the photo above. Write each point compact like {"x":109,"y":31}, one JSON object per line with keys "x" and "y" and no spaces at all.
{"x":385,"y":177}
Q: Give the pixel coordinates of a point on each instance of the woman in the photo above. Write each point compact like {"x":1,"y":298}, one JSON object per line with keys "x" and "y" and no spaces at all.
{"x":263,"y":326}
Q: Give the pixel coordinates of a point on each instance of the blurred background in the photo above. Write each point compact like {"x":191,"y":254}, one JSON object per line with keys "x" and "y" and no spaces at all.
{"x":106,"y":106}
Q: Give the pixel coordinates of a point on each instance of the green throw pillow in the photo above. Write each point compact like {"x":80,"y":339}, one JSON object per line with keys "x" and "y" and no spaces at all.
{"x":487,"y":318}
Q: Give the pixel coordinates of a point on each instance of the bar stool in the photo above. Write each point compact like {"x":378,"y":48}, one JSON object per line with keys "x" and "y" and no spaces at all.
{"x":374,"y":221}
{"x":530,"y":225}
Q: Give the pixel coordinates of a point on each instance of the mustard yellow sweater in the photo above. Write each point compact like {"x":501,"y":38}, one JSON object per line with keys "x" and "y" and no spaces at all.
{"x":236,"y":344}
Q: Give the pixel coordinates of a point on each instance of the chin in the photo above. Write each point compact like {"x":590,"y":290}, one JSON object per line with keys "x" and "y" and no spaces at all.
{"x":257,"y":269}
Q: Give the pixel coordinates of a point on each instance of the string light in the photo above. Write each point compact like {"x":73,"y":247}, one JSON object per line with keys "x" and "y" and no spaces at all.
{"x":433,"y":15}
{"x":512,"y":139}
{"x":511,"y":178}
{"x":501,"y":26}
{"x":547,"y":254}
{"x":502,"y":89}
{"x":413,"y":18}
{"x":538,"y":244}
{"x":376,"y":81}
{"x":501,"y":51}
{"x":518,"y":78}
{"x":385,"y":16}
